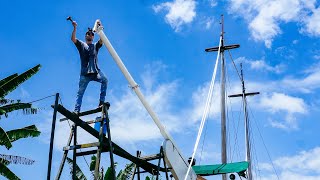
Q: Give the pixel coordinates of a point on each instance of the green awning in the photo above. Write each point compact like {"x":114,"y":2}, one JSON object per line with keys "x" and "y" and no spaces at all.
{"x":206,"y":170}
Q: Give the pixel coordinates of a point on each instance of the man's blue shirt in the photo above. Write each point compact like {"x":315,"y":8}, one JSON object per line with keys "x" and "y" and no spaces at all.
{"x":88,"y":56}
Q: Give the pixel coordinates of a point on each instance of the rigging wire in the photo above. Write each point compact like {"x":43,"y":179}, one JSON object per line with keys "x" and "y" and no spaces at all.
{"x":41,"y":99}
{"x":265,"y":147}
{"x":227,"y":111}
{"x":206,"y":110}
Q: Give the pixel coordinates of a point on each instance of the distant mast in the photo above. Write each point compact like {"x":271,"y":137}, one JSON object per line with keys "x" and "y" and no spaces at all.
{"x":223,"y":94}
{"x":246,"y":122}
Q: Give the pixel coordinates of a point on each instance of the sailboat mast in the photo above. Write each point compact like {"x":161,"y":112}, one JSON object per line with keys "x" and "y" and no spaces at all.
{"x":223,"y":104}
{"x":246,"y":124}
{"x":221,"y":50}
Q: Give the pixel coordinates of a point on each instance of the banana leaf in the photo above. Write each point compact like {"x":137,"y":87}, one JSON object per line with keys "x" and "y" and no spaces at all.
{"x":15,"y":159}
{"x":4,"y":139}
{"x":5,"y":101}
{"x":79,"y":173}
{"x":108,"y":174}
{"x":29,"y":131}
{"x":93,"y":163}
{"x":15,"y":82}
{"x":3,"y":160}
{"x":7,"y":79}
{"x":16,"y":106}
{"x":126,"y":173}
{"x":2,"y":111}
{"x":5,"y":172}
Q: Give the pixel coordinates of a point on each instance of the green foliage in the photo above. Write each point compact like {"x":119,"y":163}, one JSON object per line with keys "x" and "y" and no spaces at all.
{"x":108,"y":175}
{"x":29,"y":131}
{"x":7,"y":159}
{"x":7,"y":85}
{"x":7,"y":79}
{"x":12,"y":82}
{"x":79,"y":173}
{"x":126,"y":173}
{"x":93,"y":162}
{"x":5,"y":171}
{"x":4,"y":139}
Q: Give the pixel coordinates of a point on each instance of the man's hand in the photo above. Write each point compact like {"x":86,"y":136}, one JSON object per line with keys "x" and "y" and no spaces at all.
{"x":99,"y":23}
{"x":74,"y":24}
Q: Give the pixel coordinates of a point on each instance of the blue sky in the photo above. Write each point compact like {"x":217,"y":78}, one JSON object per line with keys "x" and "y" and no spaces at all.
{"x":162,"y":45}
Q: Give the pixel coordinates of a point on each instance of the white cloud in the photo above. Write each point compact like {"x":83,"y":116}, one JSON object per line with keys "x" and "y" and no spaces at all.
{"x":312,"y":23}
{"x":199,"y":101}
{"x":279,"y":102}
{"x":261,"y":65}
{"x":209,"y":22}
{"x":180,"y":12}
{"x":265,"y":16}
{"x":213,"y":3}
{"x":285,"y":52}
{"x":303,"y":166}
{"x":316,"y":57}
{"x":307,"y":84}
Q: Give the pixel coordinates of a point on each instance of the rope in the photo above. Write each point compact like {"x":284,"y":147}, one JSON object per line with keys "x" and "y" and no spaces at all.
{"x":265,"y":147}
{"x":206,"y":110}
{"x":41,"y":99}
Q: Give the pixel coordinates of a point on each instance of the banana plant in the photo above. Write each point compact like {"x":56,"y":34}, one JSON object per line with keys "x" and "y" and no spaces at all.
{"x":7,"y":85}
{"x":124,"y":174}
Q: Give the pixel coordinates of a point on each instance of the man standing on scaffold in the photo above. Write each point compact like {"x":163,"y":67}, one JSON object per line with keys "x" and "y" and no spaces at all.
{"x":90,"y":71}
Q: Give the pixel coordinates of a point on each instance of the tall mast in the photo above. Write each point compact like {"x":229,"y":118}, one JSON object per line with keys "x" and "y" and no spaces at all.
{"x":223,"y":93}
{"x":223,"y":105}
{"x":246,"y":122}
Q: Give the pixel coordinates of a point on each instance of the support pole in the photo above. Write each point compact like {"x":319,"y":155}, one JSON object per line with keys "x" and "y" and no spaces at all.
{"x":64,"y":156}
{"x":110,"y":141}
{"x":164,"y":162}
{"x":138,"y":168}
{"x":54,"y":118}
{"x":74,"y":165}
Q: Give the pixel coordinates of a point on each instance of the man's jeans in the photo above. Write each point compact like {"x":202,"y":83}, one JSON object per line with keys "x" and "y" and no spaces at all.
{"x":83,"y":83}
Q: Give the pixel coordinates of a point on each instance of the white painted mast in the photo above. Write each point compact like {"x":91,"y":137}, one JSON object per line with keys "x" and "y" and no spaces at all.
{"x":176,"y":156}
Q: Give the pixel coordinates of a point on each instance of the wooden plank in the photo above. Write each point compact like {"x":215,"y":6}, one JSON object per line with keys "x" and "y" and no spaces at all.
{"x":117,"y":149}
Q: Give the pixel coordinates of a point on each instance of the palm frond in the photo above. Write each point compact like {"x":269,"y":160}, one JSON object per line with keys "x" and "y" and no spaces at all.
{"x":7,"y":79}
{"x":15,"y":82}
{"x":29,"y":131}
{"x":4,"y":139}
{"x":79,"y":173}
{"x":16,"y":159}
{"x":16,"y":106}
{"x":5,"y":172}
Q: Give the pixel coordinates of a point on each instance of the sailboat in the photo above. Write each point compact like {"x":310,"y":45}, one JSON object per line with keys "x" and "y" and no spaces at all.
{"x":243,"y":168}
